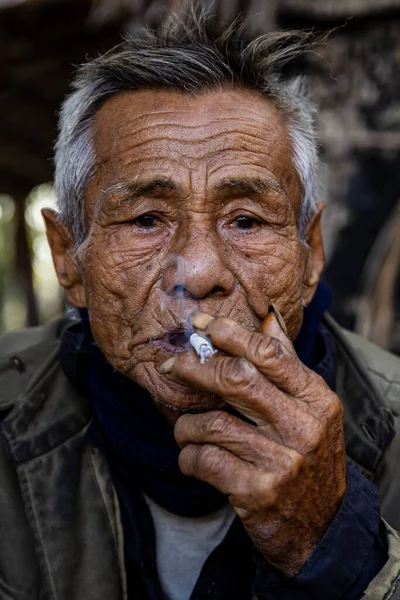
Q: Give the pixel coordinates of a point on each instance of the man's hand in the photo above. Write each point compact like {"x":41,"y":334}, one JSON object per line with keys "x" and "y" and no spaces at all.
{"x":285,"y":474}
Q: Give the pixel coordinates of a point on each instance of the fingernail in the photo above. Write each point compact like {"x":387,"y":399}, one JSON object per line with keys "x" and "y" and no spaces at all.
{"x":279,"y":318}
{"x":167,"y":365}
{"x":200,"y":320}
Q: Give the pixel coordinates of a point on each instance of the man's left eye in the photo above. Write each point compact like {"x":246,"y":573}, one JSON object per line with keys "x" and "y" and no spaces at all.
{"x":146,"y":221}
{"x":245,"y":223}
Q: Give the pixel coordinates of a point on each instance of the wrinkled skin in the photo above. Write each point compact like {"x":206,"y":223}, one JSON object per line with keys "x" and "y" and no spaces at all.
{"x":284,"y":475}
{"x":194,"y":206}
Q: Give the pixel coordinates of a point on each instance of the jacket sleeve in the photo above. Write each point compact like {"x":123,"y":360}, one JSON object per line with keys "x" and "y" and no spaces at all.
{"x":386,"y":584}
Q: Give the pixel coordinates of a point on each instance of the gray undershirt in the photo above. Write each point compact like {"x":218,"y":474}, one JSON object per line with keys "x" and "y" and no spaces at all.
{"x":183,"y":544}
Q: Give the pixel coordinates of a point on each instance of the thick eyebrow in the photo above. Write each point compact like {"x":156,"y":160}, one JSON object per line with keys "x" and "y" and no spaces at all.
{"x":254,"y":186}
{"x":131,"y":190}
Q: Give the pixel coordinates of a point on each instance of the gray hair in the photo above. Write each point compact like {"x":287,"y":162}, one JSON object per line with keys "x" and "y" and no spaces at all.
{"x":186,"y":55}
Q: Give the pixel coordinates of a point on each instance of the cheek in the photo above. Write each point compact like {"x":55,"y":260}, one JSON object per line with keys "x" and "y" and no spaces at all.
{"x":119,"y":280}
{"x":272,"y":271}
{"x":133,"y":250}
{"x":121,"y":265}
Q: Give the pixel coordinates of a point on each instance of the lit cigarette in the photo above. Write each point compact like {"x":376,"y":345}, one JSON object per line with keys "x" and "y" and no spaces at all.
{"x":203,"y":347}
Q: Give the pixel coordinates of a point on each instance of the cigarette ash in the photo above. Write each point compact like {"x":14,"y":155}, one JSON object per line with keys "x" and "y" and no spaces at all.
{"x":203,"y":347}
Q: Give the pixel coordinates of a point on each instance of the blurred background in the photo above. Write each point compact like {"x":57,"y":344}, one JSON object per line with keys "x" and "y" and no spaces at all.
{"x":354,"y":78}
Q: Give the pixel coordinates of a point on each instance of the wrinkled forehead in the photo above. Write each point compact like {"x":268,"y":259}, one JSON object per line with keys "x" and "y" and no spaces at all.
{"x":196,"y":139}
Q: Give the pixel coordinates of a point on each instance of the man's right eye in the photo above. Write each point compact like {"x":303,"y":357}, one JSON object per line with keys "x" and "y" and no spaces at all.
{"x":146,"y":221}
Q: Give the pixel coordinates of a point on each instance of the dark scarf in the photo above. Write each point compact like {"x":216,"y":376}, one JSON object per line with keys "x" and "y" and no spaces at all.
{"x":129,"y":429}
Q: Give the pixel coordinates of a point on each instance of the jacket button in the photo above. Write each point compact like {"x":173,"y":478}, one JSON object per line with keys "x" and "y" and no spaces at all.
{"x":17,"y":363}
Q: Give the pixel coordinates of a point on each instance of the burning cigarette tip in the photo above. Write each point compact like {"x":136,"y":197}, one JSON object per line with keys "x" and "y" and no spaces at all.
{"x":202,"y":346}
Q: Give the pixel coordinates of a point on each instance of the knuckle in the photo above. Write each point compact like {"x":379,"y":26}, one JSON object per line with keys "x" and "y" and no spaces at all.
{"x":337,"y":408}
{"x":291,"y":465}
{"x":183,"y":364}
{"x":205,"y":453}
{"x":219,"y":423}
{"x":333,"y":411}
{"x":264,"y":349}
{"x":208,"y":459}
{"x":317,"y":437}
{"x":184,"y":361}
{"x":295,"y":464}
{"x":321,"y":432}
{"x":319,"y":387}
{"x":306,"y":382}
{"x":267,"y":492}
{"x":335,"y":416}
{"x":221,"y":326}
{"x":236,"y":373}
{"x":223,"y":323}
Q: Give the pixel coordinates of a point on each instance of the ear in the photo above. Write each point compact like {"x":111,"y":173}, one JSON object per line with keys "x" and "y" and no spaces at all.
{"x":61,"y":245}
{"x":316,"y":256}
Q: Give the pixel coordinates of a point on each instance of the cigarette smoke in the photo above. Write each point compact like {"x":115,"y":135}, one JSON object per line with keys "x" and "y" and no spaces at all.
{"x":175,"y":294}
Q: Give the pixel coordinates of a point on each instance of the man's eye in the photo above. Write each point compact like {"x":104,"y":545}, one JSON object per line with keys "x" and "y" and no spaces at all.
{"x":245,"y":223}
{"x":146,"y":221}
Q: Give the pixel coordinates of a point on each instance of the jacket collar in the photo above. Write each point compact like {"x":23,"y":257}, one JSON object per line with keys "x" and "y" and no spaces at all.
{"x":43,"y":408}
{"x":368,"y":422}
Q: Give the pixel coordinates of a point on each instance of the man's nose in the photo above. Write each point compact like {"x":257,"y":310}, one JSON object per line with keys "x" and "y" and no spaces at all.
{"x":198,"y":268}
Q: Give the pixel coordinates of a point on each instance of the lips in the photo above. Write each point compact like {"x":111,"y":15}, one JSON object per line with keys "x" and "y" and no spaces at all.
{"x":179,"y":339}
{"x":175,"y":341}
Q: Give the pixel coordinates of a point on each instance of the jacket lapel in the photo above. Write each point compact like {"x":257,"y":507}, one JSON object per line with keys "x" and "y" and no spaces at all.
{"x":368,"y":422}
{"x":66,"y":488}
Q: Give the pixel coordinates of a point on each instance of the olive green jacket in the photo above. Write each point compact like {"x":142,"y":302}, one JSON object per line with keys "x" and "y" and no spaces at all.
{"x":60,"y":528}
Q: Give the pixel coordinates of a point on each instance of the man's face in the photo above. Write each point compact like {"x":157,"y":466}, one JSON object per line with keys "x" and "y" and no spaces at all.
{"x":194,"y":205}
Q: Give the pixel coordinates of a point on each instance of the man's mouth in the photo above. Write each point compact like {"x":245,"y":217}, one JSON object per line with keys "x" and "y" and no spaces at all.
{"x":175,"y":342}
{"x":180,"y":339}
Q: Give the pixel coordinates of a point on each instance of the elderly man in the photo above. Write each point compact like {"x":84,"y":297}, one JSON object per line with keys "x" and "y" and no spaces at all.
{"x":187,"y":183}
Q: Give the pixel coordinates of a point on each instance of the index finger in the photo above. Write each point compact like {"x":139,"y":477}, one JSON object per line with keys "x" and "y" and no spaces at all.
{"x":270,"y":355}
{"x":242,"y":386}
